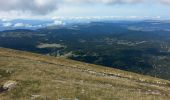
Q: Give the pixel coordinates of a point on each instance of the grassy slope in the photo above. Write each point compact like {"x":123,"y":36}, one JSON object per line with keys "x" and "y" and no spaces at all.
{"x":51,"y":78}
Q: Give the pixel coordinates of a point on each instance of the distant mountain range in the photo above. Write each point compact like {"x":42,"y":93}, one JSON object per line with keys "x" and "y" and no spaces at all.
{"x":137,"y":46}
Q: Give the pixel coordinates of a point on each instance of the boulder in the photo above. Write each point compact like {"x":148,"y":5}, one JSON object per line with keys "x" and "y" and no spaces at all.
{"x":9,"y":85}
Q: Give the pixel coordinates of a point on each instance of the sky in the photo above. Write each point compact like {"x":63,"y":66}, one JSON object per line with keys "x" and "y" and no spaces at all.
{"x":49,"y":9}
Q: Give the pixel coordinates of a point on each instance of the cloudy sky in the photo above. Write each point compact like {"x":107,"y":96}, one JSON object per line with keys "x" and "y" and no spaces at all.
{"x":40,"y":9}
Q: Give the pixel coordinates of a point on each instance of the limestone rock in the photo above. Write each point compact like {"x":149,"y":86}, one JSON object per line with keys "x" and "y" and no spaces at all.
{"x":9,"y":85}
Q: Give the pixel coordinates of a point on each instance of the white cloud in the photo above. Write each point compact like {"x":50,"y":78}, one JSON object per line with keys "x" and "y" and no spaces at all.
{"x":165,"y":1}
{"x":22,"y":8}
{"x":5,"y":20}
{"x":22,"y":25}
{"x":104,"y":1}
{"x":116,"y":1}
{"x":30,"y":6}
{"x":8,"y":24}
{"x":42,"y":7}
{"x":19,"y":25}
{"x":57,"y":22}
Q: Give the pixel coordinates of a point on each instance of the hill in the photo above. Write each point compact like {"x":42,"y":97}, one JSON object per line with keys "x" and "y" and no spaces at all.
{"x":142,"y":47}
{"x":40,"y":77}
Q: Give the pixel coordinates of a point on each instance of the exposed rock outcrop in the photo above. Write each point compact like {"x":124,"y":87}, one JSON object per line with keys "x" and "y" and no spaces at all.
{"x":9,"y":85}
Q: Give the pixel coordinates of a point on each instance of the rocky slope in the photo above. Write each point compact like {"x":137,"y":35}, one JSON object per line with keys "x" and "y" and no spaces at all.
{"x":28,"y":76}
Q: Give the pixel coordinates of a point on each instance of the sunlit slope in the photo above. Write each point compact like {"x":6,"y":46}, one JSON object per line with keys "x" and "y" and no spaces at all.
{"x":41,"y":77}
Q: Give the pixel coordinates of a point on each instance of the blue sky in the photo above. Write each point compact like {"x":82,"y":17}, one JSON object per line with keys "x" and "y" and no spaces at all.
{"x":41,"y":9}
